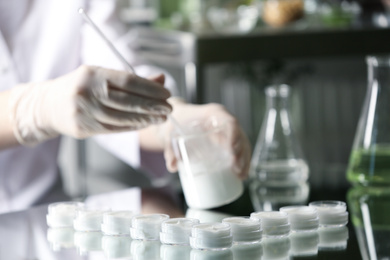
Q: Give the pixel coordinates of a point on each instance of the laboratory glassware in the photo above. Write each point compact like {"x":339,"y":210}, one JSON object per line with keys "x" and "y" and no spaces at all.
{"x":369,"y":162}
{"x":370,"y":210}
{"x":278,"y":160}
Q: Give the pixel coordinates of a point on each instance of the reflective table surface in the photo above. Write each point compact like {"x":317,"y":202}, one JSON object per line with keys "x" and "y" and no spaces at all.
{"x":25,"y":235}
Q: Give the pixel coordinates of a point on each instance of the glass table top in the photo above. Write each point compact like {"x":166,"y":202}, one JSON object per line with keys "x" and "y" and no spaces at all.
{"x":25,"y":235}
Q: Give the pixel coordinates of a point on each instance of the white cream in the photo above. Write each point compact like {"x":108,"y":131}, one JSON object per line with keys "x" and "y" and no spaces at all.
{"x":301,"y":218}
{"x":211,"y":236}
{"x":177,"y":231}
{"x":209,"y":187}
{"x":147,"y":226}
{"x":62,"y":214}
{"x":244,"y":229}
{"x":274,"y":223}
{"x":89,"y":219}
{"x":117,"y":222}
{"x":331,"y":213}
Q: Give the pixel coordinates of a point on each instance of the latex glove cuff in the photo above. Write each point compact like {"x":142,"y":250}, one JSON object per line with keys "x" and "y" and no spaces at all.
{"x":27,"y":126}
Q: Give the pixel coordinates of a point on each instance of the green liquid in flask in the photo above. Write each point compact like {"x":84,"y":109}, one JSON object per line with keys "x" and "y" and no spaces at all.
{"x":370,"y":167}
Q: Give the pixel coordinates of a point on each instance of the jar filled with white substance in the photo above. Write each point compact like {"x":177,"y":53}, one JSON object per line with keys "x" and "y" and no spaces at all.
{"x":62,"y":214}
{"x":211,"y":236}
{"x":117,"y":222}
{"x":205,"y":165}
{"x":147,"y":226}
{"x":244,"y":229}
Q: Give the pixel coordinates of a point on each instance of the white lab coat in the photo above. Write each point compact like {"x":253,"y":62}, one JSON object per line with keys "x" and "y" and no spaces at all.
{"x":44,"y":39}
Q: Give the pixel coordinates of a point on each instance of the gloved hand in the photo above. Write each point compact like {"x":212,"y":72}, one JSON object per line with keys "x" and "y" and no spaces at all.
{"x":184,"y":113}
{"x":85,"y":102}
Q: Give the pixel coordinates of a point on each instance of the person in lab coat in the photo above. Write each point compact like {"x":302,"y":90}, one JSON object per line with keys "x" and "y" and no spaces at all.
{"x":57,"y":77}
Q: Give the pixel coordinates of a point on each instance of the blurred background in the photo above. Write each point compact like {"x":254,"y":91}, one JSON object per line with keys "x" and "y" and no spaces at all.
{"x":328,"y":83}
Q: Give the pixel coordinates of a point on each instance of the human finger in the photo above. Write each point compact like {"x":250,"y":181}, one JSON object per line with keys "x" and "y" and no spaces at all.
{"x":124,"y":101}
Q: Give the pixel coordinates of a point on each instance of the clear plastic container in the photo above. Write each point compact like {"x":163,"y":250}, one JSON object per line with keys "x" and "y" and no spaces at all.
{"x":62,"y":214}
{"x":302,"y":218}
{"x":89,"y":219}
{"x":177,"y":231}
{"x":211,"y":236}
{"x":274,"y":223}
{"x":331,"y":213}
{"x":244,"y":230}
{"x":147,"y":226}
{"x":205,"y":165}
{"x":117,"y":222}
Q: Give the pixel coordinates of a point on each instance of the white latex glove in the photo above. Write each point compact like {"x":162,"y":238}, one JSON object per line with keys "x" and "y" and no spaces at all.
{"x":185,"y":113}
{"x":85,"y":102}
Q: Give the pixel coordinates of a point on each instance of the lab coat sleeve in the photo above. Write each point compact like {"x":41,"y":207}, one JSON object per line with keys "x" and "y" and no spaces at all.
{"x":94,"y":51}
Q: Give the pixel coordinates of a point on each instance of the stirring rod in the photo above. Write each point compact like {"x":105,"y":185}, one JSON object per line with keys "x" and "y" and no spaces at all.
{"x":127,"y":65}
{"x":108,"y":42}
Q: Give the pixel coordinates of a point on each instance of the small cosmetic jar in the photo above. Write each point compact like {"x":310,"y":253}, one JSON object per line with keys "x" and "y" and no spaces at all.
{"x":301,"y":218}
{"x":331,"y":213}
{"x":117,"y":223}
{"x":62,"y":214}
{"x":89,"y":219}
{"x":147,"y":226}
{"x":177,"y":231}
{"x":211,"y":236}
{"x":274,"y":223}
{"x":244,"y":230}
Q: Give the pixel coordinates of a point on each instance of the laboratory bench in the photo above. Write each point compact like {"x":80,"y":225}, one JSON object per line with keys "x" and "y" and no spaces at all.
{"x":25,"y":235}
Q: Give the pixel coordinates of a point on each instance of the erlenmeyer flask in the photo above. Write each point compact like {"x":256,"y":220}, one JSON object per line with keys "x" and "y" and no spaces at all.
{"x":278,"y":159}
{"x":369,"y":162}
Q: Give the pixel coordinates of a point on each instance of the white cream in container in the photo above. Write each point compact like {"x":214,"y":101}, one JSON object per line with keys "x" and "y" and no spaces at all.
{"x":301,"y":218}
{"x":244,"y":230}
{"x":117,"y":222}
{"x":89,"y":219}
{"x":177,"y":231}
{"x":331,"y":213}
{"x":211,"y":236}
{"x":62,"y":214}
{"x":147,"y":226}
{"x":274,"y":223}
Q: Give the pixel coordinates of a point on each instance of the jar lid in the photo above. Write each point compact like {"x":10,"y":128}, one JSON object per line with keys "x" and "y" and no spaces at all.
{"x":147,"y":226}
{"x":177,"y":231}
{"x":213,"y":236}
{"x":274,"y":223}
{"x":244,"y":229}
{"x":302,"y":218}
{"x":117,"y":222}
{"x":331,"y":213}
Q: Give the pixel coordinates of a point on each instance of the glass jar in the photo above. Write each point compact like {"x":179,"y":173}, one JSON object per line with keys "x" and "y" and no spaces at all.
{"x":369,"y":162}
